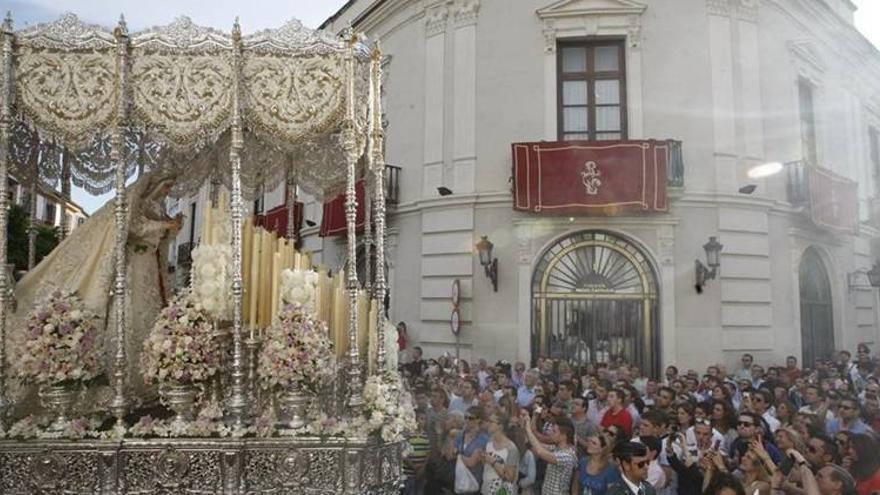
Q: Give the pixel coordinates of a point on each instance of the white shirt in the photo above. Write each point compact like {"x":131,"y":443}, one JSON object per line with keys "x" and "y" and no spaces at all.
{"x":771,"y":421}
{"x":632,"y":486}
{"x":656,"y":475}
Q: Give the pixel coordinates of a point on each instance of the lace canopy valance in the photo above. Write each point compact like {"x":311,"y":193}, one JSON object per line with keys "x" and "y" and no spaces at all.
{"x":173,"y":89}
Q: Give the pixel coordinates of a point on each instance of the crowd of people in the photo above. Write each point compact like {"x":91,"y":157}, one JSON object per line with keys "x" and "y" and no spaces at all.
{"x":555,"y":429}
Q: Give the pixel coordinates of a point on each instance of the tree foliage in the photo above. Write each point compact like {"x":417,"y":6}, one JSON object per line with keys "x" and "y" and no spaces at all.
{"x":17,"y":236}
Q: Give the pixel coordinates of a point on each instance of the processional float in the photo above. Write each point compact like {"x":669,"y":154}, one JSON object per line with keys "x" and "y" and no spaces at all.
{"x":286,"y":105}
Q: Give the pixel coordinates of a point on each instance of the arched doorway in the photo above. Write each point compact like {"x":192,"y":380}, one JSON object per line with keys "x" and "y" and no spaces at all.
{"x":817,"y":323}
{"x":594,"y":298}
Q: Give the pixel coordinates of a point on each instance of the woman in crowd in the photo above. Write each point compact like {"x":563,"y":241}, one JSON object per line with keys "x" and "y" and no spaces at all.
{"x":785,"y":412}
{"x":724,"y":421}
{"x":471,"y":443}
{"x":756,"y":479}
{"x":787,"y":438}
{"x":595,"y":472}
{"x":864,"y":461}
{"x":684,"y":415}
{"x":500,"y":459}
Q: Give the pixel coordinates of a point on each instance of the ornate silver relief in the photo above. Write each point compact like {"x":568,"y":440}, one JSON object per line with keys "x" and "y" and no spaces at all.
{"x":293,"y":36}
{"x":182,"y":34}
{"x":68,"y":33}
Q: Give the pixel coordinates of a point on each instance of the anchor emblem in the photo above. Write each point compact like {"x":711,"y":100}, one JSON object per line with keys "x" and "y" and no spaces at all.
{"x":590,"y":177}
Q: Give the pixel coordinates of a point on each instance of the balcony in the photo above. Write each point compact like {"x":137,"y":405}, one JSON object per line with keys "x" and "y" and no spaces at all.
{"x":831,"y":201}
{"x":392,"y":182}
{"x":184,"y":253}
{"x":596,"y":177}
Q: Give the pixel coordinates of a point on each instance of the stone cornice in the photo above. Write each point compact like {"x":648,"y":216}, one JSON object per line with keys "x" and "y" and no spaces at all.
{"x":575,"y":18}
{"x":466,"y":12}
{"x":436,"y":18}
{"x":718,"y":7}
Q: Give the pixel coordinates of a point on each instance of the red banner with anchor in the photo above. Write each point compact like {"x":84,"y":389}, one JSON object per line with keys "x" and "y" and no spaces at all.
{"x":834,"y":200}
{"x":590,"y":177}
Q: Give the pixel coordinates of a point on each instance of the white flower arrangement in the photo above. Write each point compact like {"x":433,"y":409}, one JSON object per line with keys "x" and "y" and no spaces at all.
{"x":209,"y":422}
{"x":37,"y":427}
{"x":297,"y":352}
{"x":388,"y":407}
{"x":180,"y":346}
{"x":299,"y":287}
{"x":62,"y":342}
{"x":211,"y":282}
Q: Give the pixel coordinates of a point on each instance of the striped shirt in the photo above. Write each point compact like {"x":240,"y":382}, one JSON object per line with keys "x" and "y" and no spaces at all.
{"x":419,"y":454}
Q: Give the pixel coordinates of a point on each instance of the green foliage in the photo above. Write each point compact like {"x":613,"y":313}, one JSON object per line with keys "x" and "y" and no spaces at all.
{"x":17,"y":232}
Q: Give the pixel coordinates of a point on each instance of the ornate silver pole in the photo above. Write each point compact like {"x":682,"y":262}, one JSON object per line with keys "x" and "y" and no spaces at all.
{"x":5,"y":123}
{"x":369,"y":188}
{"x":377,"y":162}
{"x":32,"y":223}
{"x":349,"y":143}
{"x":238,"y":403}
{"x":292,"y":235}
{"x":65,"y":189}
{"x":119,"y":404}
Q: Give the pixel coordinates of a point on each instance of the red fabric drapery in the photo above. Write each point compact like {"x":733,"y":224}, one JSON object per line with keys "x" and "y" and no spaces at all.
{"x":834,"y":200}
{"x":275,"y":220}
{"x":333,"y":220}
{"x":590,"y":177}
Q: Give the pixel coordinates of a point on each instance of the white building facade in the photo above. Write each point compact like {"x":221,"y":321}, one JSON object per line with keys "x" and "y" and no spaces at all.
{"x":737,"y":82}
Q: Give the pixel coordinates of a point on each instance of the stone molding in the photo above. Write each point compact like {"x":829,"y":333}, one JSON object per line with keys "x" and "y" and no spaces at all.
{"x":435,"y":20}
{"x":466,"y":12}
{"x":718,"y":7}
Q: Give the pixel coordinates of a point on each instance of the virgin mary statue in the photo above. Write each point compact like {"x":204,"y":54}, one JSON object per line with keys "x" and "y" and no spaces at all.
{"x":84,"y":262}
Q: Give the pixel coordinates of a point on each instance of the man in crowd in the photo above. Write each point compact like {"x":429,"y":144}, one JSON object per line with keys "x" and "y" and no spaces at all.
{"x":749,"y":426}
{"x":665,"y":399}
{"x":617,"y":414}
{"x":467,"y":399}
{"x":565,"y":394}
{"x":745,"y":372}
{"x":762,"y":401}
{"x":526,"y":394}
{"x":583,"y":427}
{"x":599,"y":405}
{"x":757,"y":376}
{"x":821,"y":450}
{"x":560,"y":457}
{"x":633,"y":460}
{"x":849,"y":412}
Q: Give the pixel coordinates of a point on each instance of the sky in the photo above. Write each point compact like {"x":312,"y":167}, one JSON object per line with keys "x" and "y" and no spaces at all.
{"x":254,"y":16}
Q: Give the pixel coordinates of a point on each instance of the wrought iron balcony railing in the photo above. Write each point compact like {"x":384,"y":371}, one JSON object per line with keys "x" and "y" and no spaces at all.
{"x":675,"y":164}
{"x":184,"y":253}
{"x":392,"y":191}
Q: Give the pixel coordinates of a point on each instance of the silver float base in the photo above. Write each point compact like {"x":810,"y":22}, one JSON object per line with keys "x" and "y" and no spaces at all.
{"x":200,"y":466}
